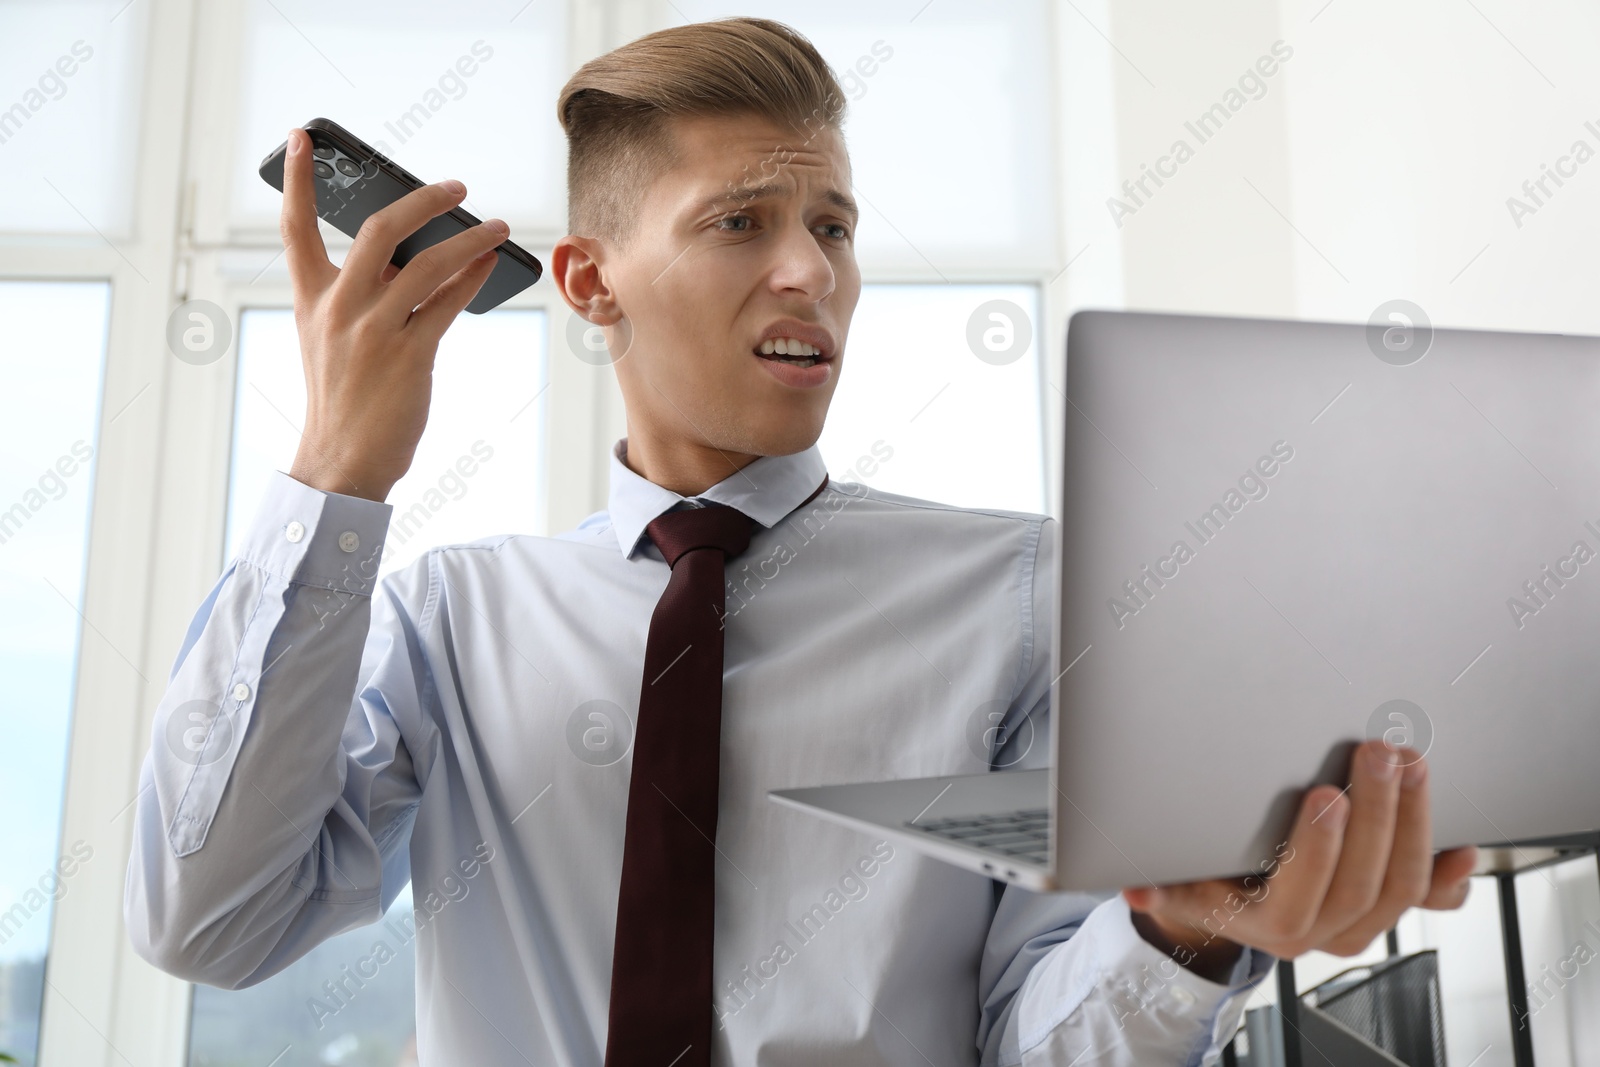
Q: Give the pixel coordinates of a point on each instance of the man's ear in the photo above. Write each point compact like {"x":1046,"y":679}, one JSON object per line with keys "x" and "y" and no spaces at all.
{"x":578,"y":266}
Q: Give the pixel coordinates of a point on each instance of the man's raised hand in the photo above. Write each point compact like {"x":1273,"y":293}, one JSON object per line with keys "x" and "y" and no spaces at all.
{"x":369,"y":331}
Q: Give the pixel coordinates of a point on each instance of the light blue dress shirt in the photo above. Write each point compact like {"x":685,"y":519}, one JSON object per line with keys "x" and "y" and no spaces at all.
{"x":465,"y":723}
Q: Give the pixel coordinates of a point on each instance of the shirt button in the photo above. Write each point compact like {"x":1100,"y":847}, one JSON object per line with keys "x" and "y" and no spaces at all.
{"x":294,"y":532}
{"x":241,"y":692}
{"x":349,"y":541}
{"x":1184,"y":998}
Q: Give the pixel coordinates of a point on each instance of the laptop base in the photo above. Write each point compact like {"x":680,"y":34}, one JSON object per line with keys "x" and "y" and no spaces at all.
{"x":919,"y":812}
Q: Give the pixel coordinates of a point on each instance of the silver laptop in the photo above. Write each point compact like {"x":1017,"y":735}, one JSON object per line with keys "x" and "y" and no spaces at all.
{"x":1281,"y":538}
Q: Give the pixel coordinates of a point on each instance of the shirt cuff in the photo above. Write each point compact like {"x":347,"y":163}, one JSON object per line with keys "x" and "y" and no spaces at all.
{"x":311,"y":537}
{"x":1148,"y":978}
{"x":1144,"y":988}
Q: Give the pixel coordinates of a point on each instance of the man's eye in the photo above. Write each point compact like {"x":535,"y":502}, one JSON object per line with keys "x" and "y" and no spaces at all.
{"x":731,"y":218}
{"x":841,"y":235}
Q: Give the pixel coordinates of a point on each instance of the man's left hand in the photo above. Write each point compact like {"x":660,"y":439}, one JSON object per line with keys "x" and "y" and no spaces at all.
{"x":1355,"y":861}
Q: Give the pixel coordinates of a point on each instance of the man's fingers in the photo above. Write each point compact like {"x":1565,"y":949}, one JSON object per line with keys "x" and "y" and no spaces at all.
{"x":1368,"y":839}
{"x":1355,"y":861}
{"x":1298,"y":885}
{"x":1276,"y":907}
{"x":1410,"y":863}
{"x":310,"y":271}
{"x":1451,"y":881}
{"x":378,"y":237}
{"x":435,"y":314}
{"x":1209,"y":908}
{"x":435,"y":265}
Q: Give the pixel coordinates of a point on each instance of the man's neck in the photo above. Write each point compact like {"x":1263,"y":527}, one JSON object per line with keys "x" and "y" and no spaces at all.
{"x":685,"y":467}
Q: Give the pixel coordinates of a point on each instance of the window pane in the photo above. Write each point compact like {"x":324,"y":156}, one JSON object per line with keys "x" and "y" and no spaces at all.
{"x":46,"y":474}
{"x":478,"y":471}
{"x":948,"y":125}
{"x":345,"y":1003}
{"x":69,"y":114}
{"x":963,"y":428}
{"x":480,"y":467}
{"x":447,"y":91}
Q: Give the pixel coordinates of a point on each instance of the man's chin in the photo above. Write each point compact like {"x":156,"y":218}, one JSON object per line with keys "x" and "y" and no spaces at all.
{"x":785,"y":438}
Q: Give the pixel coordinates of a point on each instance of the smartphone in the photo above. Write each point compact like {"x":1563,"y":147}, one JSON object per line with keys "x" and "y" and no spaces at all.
{"x":354,"y":180}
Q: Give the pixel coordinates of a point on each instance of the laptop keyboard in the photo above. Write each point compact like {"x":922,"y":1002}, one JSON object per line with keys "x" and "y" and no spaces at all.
{"x":1022,"y":835}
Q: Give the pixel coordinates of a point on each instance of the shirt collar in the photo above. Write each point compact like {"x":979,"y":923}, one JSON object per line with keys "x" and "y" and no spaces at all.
{"x":766,"y":490}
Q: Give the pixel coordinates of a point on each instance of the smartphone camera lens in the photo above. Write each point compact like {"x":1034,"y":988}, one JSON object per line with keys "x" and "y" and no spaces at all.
{"x":348,"y":167}
{"x":322,"y":151}
{"x":322,"y":169}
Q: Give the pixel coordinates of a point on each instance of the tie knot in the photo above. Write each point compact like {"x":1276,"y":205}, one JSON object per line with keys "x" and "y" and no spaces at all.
{"x":711,"y":526}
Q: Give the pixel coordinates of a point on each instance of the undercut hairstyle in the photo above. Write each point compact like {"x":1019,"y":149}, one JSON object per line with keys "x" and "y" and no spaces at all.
{"x":618,"y":107}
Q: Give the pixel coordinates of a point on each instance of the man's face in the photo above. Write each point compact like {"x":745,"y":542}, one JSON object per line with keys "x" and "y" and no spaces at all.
{"x":710,"y":274}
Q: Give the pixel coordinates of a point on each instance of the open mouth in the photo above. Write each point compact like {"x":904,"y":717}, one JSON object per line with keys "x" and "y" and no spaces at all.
{"x":789,"y":350}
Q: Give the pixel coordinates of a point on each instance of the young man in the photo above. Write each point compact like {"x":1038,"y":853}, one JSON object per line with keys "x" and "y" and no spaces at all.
{"x":566,"y":743}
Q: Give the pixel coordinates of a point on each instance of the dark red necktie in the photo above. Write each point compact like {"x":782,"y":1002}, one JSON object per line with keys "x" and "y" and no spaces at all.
{"x":661,"y":996}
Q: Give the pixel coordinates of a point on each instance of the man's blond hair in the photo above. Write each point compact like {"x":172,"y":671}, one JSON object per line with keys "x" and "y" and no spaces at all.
{"x":617,"y":108}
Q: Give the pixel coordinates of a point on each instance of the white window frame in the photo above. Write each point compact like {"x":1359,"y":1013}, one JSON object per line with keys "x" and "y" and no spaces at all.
{"x":161,"y":479}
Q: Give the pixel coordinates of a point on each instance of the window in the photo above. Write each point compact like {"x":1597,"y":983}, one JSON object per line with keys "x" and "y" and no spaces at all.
{"x":449,"y":91}
{"x":940,"y":393}
{"x":56,"y":337}
{"x":69,"y":126}
{"x":950,"y":140}
{"x":339,"y":1005}
{"x":477,"y":469}
{"x":476,"y":473}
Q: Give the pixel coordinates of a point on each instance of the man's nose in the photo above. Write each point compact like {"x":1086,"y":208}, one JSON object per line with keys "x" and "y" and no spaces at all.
{"x":802,"y":264}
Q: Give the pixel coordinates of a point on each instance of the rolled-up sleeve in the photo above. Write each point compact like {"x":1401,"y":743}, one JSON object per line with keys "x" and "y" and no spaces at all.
{"x":283,"y":772}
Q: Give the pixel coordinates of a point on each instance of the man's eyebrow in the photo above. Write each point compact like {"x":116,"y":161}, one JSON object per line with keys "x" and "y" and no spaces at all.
{"x":766,"y":190}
